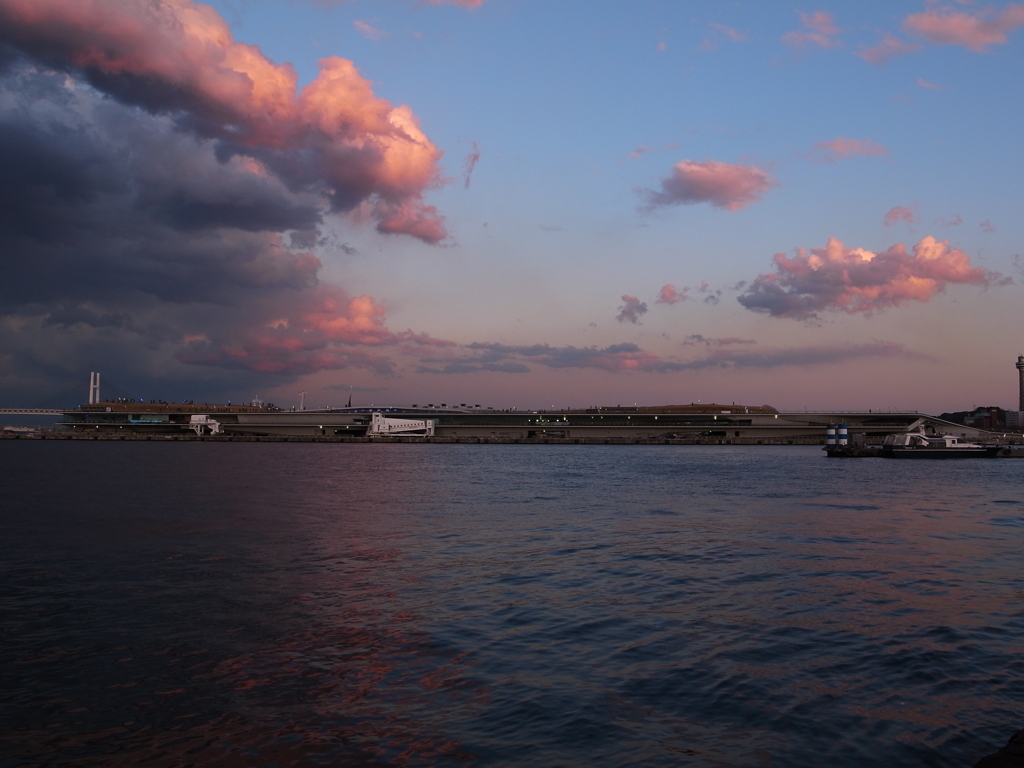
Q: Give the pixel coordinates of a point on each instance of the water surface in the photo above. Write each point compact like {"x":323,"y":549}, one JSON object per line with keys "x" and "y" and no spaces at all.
{"x":324,"y":604}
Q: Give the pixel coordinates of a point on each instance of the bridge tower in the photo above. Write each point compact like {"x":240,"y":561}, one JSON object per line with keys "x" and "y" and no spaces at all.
{"x":1020,"y":370}
{"x":94,"y":385}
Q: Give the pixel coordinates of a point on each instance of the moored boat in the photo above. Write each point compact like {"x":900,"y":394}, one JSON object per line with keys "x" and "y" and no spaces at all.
{"x":917,"y":445}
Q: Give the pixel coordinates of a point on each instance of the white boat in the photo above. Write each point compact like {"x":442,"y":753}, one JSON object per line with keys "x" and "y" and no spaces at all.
{"x":918,"y":445}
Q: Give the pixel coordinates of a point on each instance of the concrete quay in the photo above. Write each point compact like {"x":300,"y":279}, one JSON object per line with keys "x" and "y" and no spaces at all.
{"x":189,"y":438}
{"x":1011,"y":450}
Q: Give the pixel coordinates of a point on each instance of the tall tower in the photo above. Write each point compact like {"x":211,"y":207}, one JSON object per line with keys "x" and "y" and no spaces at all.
{"x":94,"y":384}
{"x":1020,"y":370}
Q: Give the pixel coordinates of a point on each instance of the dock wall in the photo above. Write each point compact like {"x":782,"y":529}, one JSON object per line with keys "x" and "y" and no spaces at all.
{"x":107,"y":436}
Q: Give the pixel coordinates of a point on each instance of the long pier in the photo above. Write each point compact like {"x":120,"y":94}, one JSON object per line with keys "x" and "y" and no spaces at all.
{"x":693,"y":424}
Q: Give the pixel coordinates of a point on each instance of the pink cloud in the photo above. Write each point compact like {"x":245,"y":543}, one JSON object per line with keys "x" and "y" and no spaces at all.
{"x":953,"y":221}
{"x":333,"y":137}
{"x":359,"y":320}
{"x":819,"y":29}
{"x":410,"y":218}
{"x":888,"y":48}
{"x":632,"y":309}
{"x":319,"y":329}
{"x":975,"y":31}
{"x":369,"y":31}
{"x":930,"y":86}
{"x":732,"y":34}
{"x":986,"y":226}
{"x":720,"y":33}
{"x":852,"y":280}
{"x":899,"y":213}
{"x":338,"y":318}
{"x":842,"y":147}
{"x":617,"y":357}
{"x":723,"y":185}
{"x":669,"y":294}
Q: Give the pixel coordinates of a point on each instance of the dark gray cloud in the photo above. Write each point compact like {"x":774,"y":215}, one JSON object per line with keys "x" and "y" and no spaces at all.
{"x":715,"y":341}
{"x":334,"y":138}
{"x":509,"y":358}
{"x":283,"y":351}
{"x":470,"y":164}
{"x":305,"y":238}
{"x":125,"y":237}
{"x":69,"y":315}
{"x":632,"y":309}
{"x":474,"y":367}
{"x":159,"y":207}
{"x":799,"y":356}
{"x":98,"y":200}
{"x":630,"y":357}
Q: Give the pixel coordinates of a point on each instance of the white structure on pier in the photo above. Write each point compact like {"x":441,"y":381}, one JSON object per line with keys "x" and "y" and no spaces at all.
{"x":382,"y":426}
{"x":201,"y":421}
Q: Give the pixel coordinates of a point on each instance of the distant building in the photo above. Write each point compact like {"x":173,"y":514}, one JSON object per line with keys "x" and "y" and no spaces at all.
{"x":991,"y":417}
{"x":985,"y":417}
{"x":988,"y":417}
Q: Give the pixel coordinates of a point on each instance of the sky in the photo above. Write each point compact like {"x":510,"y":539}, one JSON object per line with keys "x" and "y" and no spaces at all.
{"x":512,"y":203}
